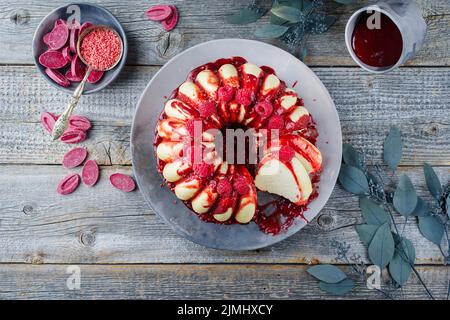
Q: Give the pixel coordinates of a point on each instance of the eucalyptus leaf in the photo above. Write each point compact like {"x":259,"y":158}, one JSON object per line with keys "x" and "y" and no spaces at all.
{"x":382,"y":246}
{"x":393,"y":148}
{"x":422,"y":208}
{"x":432,"y":180}
{"x":353,"y":180}
{"x":404,"y":256}
{"x":406,"y":250}
{"x":245,"y":16}
{"x":405,"y":196}
{"x":372,"y":213}
{"x":432,"y":228}
{"x":288,"y":13}
{"x":399,"y":269}
{"x":271,"y":31}
{"x":327,"y":273}
{"x":276,"y":20}
{"x":366,"y":233}
{"x":352,"y":157}
{"x":339,"y":288}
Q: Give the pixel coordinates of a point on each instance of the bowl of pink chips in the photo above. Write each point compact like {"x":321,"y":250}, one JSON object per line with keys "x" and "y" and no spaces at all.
{"x":55,"y":46}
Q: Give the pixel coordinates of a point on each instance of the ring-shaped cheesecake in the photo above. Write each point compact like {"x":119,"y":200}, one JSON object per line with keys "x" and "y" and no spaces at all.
{"x":233,"y":93}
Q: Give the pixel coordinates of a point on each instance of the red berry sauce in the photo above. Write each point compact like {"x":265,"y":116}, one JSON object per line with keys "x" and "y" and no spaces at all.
{"x":377,"y":47}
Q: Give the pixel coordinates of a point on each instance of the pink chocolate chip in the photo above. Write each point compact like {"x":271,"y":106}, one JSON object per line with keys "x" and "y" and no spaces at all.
{"x":122,"y":182}
{"x":159,"y":12}
{"x":90,"y":173}
{"x":171,"y":22}
{"x":68,"y":184}
{"x":58,"y":77}
{"x":48,"y":121}
{"x":74,"y":158}
{"x":73,"y":136}
{"x":79,"y":123}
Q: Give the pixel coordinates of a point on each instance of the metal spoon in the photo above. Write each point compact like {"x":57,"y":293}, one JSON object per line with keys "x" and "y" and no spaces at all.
{"x":63,"y":121}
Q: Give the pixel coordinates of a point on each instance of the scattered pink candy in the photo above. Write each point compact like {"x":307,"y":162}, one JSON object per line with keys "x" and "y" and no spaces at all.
{"x":90,"y":173}
{"x":74,"y":158}
{"x":48,"y":121}
{"x":170,"y":23}
{"x":159,"y":12}
{"x":73,"y":136}
{"x":68,"y":184}
{"x":166,"y":14}
{"x":58,"y":77}
{"x":79,"y":123}
{"x":122,"y":182}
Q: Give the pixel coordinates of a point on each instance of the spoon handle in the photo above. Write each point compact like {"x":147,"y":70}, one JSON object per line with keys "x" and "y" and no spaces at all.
{"x":63,"y":121}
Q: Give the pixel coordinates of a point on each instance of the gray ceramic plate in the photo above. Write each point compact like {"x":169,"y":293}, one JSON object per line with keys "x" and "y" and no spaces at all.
{"x":88,"y":12}
{"x":171,"y":75}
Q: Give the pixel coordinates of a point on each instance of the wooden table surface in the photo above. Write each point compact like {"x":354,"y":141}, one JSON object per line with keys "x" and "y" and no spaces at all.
{"x":121,"y":247}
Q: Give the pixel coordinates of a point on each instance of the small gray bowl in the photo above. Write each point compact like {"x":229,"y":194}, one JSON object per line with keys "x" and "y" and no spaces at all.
{"x":88,"y":12}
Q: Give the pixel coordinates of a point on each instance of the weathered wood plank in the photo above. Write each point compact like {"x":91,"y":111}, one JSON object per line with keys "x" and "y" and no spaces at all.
{"x":414,"y":99}
{"x":103,"y":225}
{"x":226,"y":282}
{"x":202,"y":21}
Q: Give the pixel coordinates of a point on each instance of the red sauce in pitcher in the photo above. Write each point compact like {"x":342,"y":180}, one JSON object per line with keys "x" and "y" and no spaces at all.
{"x":377,"y":47}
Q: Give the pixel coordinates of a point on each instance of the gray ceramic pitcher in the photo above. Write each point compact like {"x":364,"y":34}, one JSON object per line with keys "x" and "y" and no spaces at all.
{"x":407,"y":15}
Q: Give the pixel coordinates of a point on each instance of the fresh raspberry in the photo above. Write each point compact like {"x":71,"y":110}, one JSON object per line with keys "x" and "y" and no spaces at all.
{"x":225,"y":94}
{"x":224,"y":187}
{"x":203,"y":169}
{"x":276,"y":122}
{"x":207,"y":109}
{"x":244,"y":97}
{"x":264,"y":109}
{"x":223,"y":204}
{"x":241,"y":185}
{"x":286,"y":153}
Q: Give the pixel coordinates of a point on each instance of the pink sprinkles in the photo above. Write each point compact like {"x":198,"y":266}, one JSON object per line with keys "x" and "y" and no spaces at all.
{"x":101,"y":49}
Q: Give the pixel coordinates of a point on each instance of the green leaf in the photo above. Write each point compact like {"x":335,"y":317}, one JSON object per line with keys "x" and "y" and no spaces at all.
{"x":271,"y":31}
{"x":432,"y":229}
{"x":432,"y":180}
{"x":405,"y":196}
{"x":372,"y":213}
{"x":399,"y":269}
{"x":245,"y":16}
{"x":366,"y":233}
{"x":288,"y":13}
{"x":327,"y":273}
{"x":353,"y":180}
{"x":345,"y":1}
{"x":352,"y":157}
{"x":339,"y":288}
{"x":404,"y":256}
{"x":276,"y":20}
{"x":393,"y":148}
{"x":422,"y":209}
{"x":382,"y":246}
{"x":406,"y":250}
